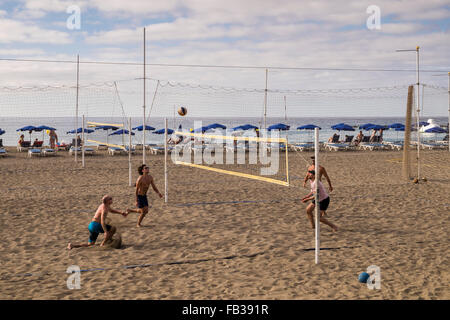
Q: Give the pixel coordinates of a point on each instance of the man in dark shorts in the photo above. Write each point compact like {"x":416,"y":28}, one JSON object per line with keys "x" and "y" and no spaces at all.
{"x":144,"y":181}
{"x":324,"y":201}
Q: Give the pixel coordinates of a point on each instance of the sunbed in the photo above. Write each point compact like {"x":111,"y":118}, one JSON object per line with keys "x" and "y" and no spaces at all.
{"x":336,"y":146}
{"x":302,"y":146}
{"x":432,"y":145}
{"x":3,"y":152}
{"x":48,"y":152}
{"x":34,"y":152}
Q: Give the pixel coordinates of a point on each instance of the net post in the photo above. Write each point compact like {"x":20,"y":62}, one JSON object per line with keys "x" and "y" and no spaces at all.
{"x":166,"y":186}
{"x":406,"y":167}
{"x":76,"y":108}
{"x":84,"y":142}
{"x":129,"y":152}
{"x":317,"y":208}
{"x":287,"y":160}
{"x":448,"y":123}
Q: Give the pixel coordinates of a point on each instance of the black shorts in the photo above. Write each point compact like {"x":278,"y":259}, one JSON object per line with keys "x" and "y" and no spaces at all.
{"x":142,"y":201}
{"x":323,"y":205}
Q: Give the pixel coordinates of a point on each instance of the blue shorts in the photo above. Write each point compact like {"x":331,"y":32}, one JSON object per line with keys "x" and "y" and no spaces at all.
{"x":142,"y":201}
{"x":95,"y":229}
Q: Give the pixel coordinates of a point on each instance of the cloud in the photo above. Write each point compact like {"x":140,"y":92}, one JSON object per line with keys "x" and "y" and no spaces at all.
{"x":22,"y":32}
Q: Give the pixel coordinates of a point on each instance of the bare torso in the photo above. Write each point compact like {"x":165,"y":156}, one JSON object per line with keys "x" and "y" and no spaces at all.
{"x":98,"y":213}
{"x":143,"y":184}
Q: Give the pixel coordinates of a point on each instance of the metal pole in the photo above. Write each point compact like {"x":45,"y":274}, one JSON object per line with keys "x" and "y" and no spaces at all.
{"x":448,"y":124}
{"x":418,"y":112}
{"x":129,"y":152}
{"x":317,"y":208}
{"x":76,"y":111}
{"x":285,"y":114}
{"x":265,"y":103}
{"x":84,"y":142}
{"x":166,"y":182}
{"x":143,"y":120}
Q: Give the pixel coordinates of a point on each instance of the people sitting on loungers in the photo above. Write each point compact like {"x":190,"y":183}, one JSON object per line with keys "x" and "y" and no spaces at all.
{"x":359,"y":138}
{"x":373,"y":137}
{"x":334,"y":138}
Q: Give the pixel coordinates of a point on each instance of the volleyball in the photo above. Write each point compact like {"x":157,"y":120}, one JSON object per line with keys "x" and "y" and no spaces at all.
{"x":363,"y":277}
{"x":182,"y":111}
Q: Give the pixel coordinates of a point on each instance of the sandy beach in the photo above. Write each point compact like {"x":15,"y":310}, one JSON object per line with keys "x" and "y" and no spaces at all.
{"x":225,"y":237}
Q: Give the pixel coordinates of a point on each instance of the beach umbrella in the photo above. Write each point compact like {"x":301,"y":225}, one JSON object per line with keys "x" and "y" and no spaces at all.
{"x":43,"y":128}
{"x":140,"y":128}
{"x":396,"y":125}
{"x":375,"y":127}
{"x":202,"y":129}
{"x":342,"y":127}
{"x":27,"y":128}
{"x":161,"y":131}
{"x":278,"y":126}
{"x":423,"y":123}
{"x":2,"y":131}
{"x":308,"y":127}
{"x":364,"y":126}
{"x":216,"y":126}
{"x":107,"y":128}
{"x":121,"y":131}
{"x":245,"y":127}
{"x":79,"y":130}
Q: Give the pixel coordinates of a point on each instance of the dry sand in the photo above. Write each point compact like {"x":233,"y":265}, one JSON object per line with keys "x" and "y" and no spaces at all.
{"x":203,"y":246}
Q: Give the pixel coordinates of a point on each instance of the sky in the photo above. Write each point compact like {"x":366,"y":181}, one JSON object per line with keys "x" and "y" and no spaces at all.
{"x":262,"y":33}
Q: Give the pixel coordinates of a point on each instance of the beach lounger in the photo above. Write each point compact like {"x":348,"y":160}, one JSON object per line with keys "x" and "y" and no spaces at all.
{"x":24,"y":146}
{"x":112,"y":151}
{"x":431,"y":145}
{"x":3,"y":152}
{"x":302,"y":146}
{"x":336,"y":147}
{"x":102,"y":147}
{"x":34,"y":152}
{"x":72,"y":150}
{"x":160,"y":150}
{"x":372,"y":146}
{"x":48,"y":152}
{"x":394,"y":145}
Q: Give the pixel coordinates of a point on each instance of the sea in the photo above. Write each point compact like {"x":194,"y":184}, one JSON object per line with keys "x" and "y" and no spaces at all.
{"x":65,"y":124}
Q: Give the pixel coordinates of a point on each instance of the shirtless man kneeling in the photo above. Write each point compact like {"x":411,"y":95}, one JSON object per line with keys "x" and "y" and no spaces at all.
{"x":144,"y":181}
{"x":98,"y":224}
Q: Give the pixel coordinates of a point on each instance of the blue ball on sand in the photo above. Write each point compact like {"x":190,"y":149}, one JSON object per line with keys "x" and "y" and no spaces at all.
{"x":363,"y":277}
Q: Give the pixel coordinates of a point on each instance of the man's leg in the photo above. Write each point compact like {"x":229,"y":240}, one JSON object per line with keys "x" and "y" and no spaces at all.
{"x":309,"y":211}
{"x":81,"y":245}
{"x":326,"y":221}
{"x":142,"y":215}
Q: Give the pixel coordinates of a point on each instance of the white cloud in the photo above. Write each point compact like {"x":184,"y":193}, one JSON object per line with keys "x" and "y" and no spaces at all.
{"x":22,"y":32}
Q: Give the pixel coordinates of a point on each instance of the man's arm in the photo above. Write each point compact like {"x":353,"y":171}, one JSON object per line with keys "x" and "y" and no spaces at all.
{"x":103,"y":222}
{"x":117,"y":211}
{"x":155,"y":188}
{"x":328,"y":178}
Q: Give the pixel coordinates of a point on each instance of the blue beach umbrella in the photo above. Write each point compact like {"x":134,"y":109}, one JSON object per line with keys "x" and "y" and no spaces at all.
{"x":202,"y":129}
{"x":79,"y":131}
{"x":161,"y":131}
{"x":364,"y":126}
{"x":2,"y":131}
{"x":278,"y":126}
{"x":308,"y":127}
{"x":245,"y":127}
{"x":342,"y":127}
{"x":216,"y":126}
{"x":396,"y":125}
{"x":121,"y":131}
{"x":27,"y":128}
{"x":147,"y":128}
{"x":375,"y":127}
